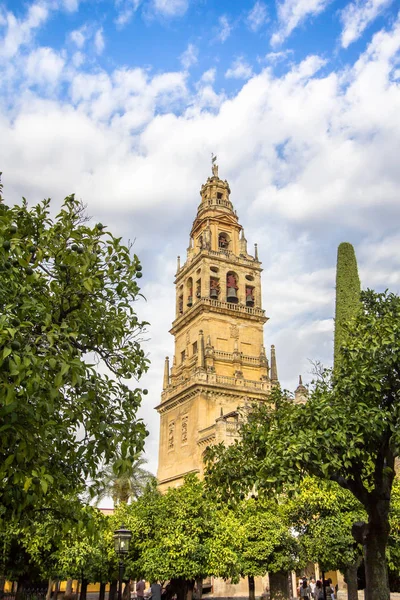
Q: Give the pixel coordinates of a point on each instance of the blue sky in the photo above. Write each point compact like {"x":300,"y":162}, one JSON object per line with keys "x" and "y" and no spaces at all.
{"x":123,"y":101}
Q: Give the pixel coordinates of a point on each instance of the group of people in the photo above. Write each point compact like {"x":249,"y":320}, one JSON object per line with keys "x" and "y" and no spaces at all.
{"x":154,"y":592}
{"x":314,"y":590}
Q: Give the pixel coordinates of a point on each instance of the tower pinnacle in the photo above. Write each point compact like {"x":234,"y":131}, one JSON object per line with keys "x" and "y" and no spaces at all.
{"x":274,"y":368}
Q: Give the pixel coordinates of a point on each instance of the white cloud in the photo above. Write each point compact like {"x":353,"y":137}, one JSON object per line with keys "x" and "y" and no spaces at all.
{"x":311,"y":158}
{"x":70,"y":5}
{"x":275,"y":57}
{"x":356,"y":17}
{"x":209,"y":75}
{"x":258,"y":16}
{"x":224,"y":29}
{"x":99,"y":41}
{"x":125,"y":11}
{"x":239,"y":69}
{"x":170,"y":8}
{"x":44,"y":67}
{"x":189,"y":57}
{"x":19,"y":32}
{"x":79,"y":36}
{"x":292,"y":13}
{"x":78,"y":58}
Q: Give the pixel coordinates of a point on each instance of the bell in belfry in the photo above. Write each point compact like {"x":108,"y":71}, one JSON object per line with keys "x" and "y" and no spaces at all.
{"x":214,"y":289}
{"x":231,"y":295}
{"x":249,"y":296}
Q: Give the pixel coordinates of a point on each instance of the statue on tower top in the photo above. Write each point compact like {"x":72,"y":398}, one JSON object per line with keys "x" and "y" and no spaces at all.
{"x":214,"y":166}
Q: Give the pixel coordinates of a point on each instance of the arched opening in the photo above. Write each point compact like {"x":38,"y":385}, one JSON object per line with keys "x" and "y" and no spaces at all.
{"x":189,"y":291}
{"x":180,"y":301}
{"x":232,"y":287}
{"x":198,"y":289}
{"x":249,"y":295}
{"x":214,"y":288}
{"x":223,"y":241}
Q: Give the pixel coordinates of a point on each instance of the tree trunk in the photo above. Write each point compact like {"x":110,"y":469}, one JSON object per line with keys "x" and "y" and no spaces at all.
{"x":199,"y":587}
{"x":279,"y":586}
{"x":68,"y":589}
{"x":376,"y":573}
{"x":56,"y":589}
{"x":49,"y":588}
{"x":190,"y":587}
{"x":180,"y":588}
{"x":20,"y":587}
{"x":350,"y":577}
{"x":252,"y":588}
{"x":102,"y":592}
{"x":113,"y":590}
{"x":84,"y":585}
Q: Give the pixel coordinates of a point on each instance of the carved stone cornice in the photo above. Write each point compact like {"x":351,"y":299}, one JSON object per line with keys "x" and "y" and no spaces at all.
{"x":215,"y":306}
{"x":189,"y":389}
{"x":180,"y":476}
{"x":220,"y":255}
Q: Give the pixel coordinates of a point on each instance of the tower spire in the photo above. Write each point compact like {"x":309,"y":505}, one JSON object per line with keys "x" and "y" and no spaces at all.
{"x":200,"y":350}
{"x":301,"y":392}
{"x":166,"y":373}
{"x":274,"y":369}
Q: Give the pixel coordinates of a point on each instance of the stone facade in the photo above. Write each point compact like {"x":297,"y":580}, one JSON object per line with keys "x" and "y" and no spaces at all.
{"x":220,"y":362}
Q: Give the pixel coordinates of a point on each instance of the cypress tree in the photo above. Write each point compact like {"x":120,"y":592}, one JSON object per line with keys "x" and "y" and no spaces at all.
{"x":347,"y":294}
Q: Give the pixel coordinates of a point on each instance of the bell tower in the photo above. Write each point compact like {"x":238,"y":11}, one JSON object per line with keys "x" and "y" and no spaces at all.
{"x":219,"y":362}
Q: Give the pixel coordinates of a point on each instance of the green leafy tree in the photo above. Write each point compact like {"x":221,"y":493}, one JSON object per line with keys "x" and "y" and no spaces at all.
{"x":171,"y":535}
{"x":348,"y":432}
{"x":31,"y":546}
{"x":393,"y":548}
{"x":268,"y":544}
{"x":323,"y":513}
{"x":87,"y":553}
{"x":347,"y":294}
{"x":67,"y":315}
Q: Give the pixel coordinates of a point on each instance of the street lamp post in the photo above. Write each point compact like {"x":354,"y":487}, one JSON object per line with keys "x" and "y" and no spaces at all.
{"x":122,"y":537}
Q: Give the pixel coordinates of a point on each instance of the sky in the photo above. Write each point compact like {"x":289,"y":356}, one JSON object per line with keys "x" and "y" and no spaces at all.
{"x":122,"y":102}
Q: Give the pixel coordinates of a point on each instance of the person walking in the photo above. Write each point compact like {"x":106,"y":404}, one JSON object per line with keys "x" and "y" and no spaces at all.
{"x":305,"y":589}
{"x":319,"y":592}
{"x":155,"y":591}
{"x":329,"y":591}
{"x":140,"y":587}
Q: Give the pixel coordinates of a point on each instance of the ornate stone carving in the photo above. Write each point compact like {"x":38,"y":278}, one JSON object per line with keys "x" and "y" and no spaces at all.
{"x":234,"y":332}
{"x":184,"y":436}
{"x":171,"y":434}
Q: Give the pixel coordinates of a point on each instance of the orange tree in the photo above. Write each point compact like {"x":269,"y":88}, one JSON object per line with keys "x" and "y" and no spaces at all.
{"x":347,"y":432}
{"x":67,"y":294}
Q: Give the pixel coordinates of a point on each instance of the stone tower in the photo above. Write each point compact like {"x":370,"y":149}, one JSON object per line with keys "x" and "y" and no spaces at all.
{"x":219,"y":362}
